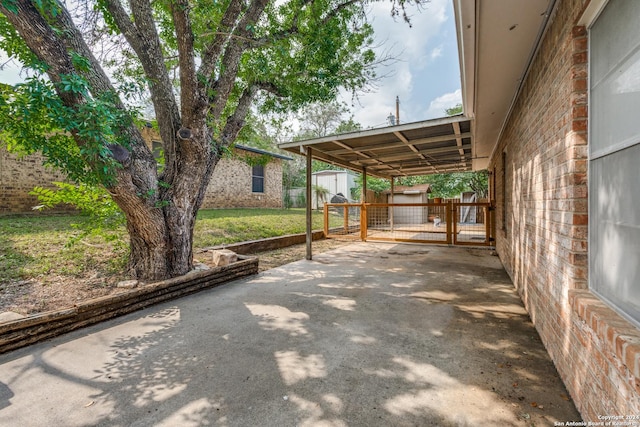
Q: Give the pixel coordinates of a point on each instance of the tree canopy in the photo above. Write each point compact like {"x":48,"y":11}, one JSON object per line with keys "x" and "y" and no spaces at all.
{"x":205,"y":65}
{"x":445,"y":185}
{"x":456,"y":109}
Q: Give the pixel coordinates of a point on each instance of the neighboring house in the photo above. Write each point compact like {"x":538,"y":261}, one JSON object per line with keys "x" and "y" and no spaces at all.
{"x":18,"y":176}
{"x":237,"y":183}
{"x":554,"y":90}
{"x":249,"y":177}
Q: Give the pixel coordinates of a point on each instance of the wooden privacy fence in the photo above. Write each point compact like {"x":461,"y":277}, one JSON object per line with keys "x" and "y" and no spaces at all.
{"x":453,"y":223}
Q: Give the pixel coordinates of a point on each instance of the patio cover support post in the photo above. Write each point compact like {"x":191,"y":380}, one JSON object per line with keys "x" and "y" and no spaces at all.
{"x":325,"y":211}
{"x":363,"y":208}
{"x":309,"y":195}
{"x":363,"y":196}
{"x":391,"y":202}
{"x":450,"y":216}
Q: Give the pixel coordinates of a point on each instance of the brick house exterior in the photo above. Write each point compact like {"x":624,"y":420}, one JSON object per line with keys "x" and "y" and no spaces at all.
{"x":540,"y":184}
{"x":230,"y":185}
{"x":551,"y":97}
{"x":18,"y":176}
{"x":233,"y":183}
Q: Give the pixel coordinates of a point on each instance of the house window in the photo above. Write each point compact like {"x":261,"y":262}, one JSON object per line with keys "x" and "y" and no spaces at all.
{"x":614,"y":156}
{"x":257,"y":179}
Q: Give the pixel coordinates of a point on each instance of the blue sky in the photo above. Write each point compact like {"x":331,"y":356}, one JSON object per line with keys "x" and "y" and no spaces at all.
{"x":427,"y":76}
{"x":9,"y":73}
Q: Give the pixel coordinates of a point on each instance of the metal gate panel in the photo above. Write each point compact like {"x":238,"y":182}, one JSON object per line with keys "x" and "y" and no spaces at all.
{"x":444,"y":223}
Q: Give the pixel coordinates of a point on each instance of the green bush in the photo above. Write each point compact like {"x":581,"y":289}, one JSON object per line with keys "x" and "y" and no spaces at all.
{"x":100,"y":214}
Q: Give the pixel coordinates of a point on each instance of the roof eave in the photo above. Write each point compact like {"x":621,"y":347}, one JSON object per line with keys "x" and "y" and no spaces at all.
{"x":419,"y":148}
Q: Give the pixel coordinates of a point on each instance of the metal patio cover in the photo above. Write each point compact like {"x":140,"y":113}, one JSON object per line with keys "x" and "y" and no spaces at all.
{"x":420,"y":148}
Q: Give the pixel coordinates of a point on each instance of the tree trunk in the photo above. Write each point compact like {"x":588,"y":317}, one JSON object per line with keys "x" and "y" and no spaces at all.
{"x":147,"y":257}
{"x":160,"y":210}
{"x":161,"y":238}
{"x":160,"y":221}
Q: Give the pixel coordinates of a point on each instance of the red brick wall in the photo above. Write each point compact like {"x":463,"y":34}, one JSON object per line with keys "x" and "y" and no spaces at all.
{"x":542,"y":235}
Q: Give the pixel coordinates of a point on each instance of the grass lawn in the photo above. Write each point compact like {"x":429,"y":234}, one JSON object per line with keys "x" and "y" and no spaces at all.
{"x":37,"y":247}
{"x":218,"y":226}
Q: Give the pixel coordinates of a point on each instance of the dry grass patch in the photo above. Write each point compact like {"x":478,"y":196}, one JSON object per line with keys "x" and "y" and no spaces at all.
{"x":40,"y":271}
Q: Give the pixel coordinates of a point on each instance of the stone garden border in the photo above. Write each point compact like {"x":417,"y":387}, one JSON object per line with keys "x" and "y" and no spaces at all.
{"x":268,"y":244}
{"x":22,"y":332}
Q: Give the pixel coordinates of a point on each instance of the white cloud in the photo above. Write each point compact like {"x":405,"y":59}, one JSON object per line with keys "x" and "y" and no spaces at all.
{"x":436,"y":53}
{"x":413,"y":46}
{"x":438,"y":106}
{"x":374,"y":107}
{"x":412,"y":40}
{"x":10,"y":71}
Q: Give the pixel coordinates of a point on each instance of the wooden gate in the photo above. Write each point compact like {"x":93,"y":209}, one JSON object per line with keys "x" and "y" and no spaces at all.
{"x":452,"y":223}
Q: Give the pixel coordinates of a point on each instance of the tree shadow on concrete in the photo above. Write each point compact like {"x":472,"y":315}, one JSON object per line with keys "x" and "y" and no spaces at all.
{"x":359,"y":337}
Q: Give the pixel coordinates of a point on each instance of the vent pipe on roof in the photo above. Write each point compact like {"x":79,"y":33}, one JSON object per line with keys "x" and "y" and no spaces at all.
{"x":397,"y":110}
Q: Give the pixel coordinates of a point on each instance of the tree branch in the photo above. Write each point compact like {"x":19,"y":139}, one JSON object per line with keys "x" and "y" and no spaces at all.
{"x":269,"y":87}
{"x":232,"y":55}
{"x":281,"y":35}
{"x":57,"y":45}
{"x":236,"y":121}
{"x":123,"y":22}
{"x":44,"y":43}
{"x":334,"y":12}
{"x":214,"y":50}
{"x":54,"y":47}
{"x":142,"y":36}
{"x":190,"y":101}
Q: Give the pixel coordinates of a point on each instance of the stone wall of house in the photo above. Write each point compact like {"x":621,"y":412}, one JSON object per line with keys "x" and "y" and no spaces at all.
{"x":540,"y":173}
{"x":230,"y":185}
{"x":18,"y":176}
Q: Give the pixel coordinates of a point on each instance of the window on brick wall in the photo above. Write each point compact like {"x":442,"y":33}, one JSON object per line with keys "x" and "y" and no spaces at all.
{"x":257,"y":179}
{"x":614,"y":156}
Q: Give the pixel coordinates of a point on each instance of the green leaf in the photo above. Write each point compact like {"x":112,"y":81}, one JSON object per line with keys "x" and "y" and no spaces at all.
{"x":80,"y":62}
{"x":10,"y":5}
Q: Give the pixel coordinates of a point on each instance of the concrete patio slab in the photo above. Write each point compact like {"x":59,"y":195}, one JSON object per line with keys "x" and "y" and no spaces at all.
{"x":366,"y":335}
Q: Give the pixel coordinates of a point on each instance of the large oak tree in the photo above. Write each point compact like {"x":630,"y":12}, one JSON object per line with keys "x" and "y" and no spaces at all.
{"x":203,"y":63}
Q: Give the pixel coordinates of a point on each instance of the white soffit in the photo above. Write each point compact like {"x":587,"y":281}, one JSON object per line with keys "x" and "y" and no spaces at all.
{"x":420,"y":148}
{"x":497,"y":39}
{"x":591,"y":12}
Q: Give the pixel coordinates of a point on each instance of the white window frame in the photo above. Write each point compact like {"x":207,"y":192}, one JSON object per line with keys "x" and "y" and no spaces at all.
{"x":611,"y":295}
